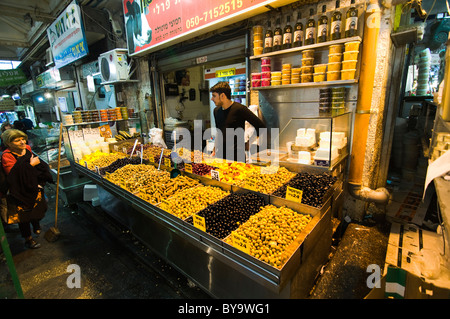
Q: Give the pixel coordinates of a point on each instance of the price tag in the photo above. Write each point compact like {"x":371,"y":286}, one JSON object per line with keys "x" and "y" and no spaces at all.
{"x":294,"y":194}
{"x":116,"y":148}
{"x":124,"y":150}
{"x":188,"y":168}
{"x":240,"y":242}
{"x":251,"y":184}
{"x":164,"y":205}
{"x":151,"y":159}
{"x":167,"y":162}
{"x":215,"y":175}
{"x":199,"y":222}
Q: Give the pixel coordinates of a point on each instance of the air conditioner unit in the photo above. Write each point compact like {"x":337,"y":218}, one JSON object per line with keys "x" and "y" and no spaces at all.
{"x":113,"y":65}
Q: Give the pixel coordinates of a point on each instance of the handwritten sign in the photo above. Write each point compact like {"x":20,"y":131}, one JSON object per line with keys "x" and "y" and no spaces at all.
{"x":294,"y":194}
{"x":215,"y":175}
{"x":199,"y":222}
{"x":188,"y":168}
{"x":251,"y":184}
{"x":167,"y":162}
{"x":240,"y":242}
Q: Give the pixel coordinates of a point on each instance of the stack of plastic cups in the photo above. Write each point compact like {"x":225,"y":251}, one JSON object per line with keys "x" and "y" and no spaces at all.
{"x":334,"y":62}
{"x":307,"y":66}
{"x":286,"y":74}
{"x":325,"y":100}
{"x":337,"y":100}
{"x":295,"y":75}
{"x":319,"y":72}
{"x":257,"y":40}
{"x":256,"y":80}
{"x":350,"y":60}
{"x":265,"y":71}
{"x":424,"y":72}
{"x":275,"y":78}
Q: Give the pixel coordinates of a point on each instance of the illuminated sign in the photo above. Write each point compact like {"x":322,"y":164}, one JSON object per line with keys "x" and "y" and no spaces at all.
{"x":66,"y":36}
{"x":155,"y":24}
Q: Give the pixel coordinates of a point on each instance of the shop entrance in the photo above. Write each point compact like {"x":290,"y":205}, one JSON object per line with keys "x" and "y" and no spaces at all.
{"x":423,"y":72}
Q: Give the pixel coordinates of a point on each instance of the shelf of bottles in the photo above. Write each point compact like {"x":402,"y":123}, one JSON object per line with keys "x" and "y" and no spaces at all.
{"x":336,"y":32}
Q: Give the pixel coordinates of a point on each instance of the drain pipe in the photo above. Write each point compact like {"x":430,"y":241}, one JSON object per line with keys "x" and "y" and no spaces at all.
{"x":362,"y":114}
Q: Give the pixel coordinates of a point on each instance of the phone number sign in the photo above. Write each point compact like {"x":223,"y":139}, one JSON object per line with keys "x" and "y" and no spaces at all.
{"x":154,"y":24}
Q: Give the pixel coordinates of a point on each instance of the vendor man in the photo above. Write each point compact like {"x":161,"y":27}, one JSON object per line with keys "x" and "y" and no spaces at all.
{"x":230,"y":119}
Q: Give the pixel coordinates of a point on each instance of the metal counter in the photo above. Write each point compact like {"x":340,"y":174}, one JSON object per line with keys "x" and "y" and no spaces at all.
{"x":220,"y":269}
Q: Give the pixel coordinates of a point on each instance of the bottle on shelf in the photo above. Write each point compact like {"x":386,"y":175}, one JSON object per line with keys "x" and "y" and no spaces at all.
{"x":310,"y":28}
{"x":351,"y":21}
{"x":268,"y":38}
{"x":336,"y":23}
{"x":298,"y":32}
{"x":287,"y":34}
{"x":277,"y":36}
{"x":322,"y":26}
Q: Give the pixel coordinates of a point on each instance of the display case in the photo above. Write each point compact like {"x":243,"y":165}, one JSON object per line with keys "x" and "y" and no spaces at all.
{"x":320,"y":141}
{"x":45,"y":144}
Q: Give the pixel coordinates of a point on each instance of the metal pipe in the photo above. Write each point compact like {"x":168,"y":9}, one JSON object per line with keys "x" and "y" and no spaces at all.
{"x":362,"y":114}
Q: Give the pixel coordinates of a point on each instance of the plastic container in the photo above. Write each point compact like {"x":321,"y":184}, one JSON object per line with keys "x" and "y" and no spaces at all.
{"x":307,"y":77}
{"x":265,"y":68}
{"x":307,"y":69}
{"x":266,"y":75}
{"x":348,"y":74}
{"x":257,"y":50}
{"x":334,"y":66}
{"x":257,"y":36}
{"x":285,"y":81}
{"x":352,"y":46}
{"x":319,"y":77}
{"x":350,"y":55}
{"x":286,"y":66}
{"x":320,"y":68}
{"x":335,"y":57}
{"x":256,"y":83}
{"x":275,"y":74}
{"x":336,"y":48}
{"x":256,"y":76}
{"x":349,"y":65}
{"x":333,"y":75}
{"x":257,"y":43}
{"x":265,"y":61}
{"x":275,"y":82}
{"x":265,"y":82}
{"x":258,"y":29}
{"x":307,"y":61}
{"x":308,"y":54}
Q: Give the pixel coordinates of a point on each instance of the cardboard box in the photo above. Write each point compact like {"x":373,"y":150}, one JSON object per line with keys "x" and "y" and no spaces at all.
{"x":414,"y":267}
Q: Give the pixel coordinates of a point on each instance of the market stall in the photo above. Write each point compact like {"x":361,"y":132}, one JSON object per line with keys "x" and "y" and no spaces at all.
{"x":224,"y":263}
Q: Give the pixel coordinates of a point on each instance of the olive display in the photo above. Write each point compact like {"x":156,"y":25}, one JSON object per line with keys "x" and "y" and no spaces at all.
{"x":121,"y":162}
{"x":224,"y":216}
{"x":271,"y":232}
{"x":149,"y":183}
{"x":99,"y":159}
{"x":266,"y":183}
{"x":201,"y":169}
{"x":314,"y":187}
{"x":190,"y":201}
